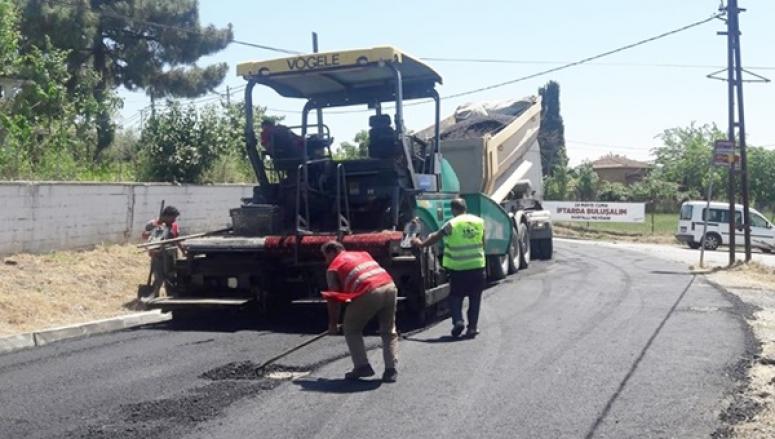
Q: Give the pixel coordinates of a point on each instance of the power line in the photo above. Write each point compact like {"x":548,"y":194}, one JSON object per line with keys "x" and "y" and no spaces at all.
{"x":620,"y":64}
{"x":196,"y":32}
{"x":561,"y":67}
{"x":588,"y":59}
{"x":607,"y":146}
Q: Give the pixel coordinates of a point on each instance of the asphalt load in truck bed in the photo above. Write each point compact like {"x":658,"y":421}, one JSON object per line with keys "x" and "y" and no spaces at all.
{"x":476,"y":126}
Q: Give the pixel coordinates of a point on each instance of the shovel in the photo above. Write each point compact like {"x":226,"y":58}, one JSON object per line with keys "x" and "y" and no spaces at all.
{"x":260,"y":369}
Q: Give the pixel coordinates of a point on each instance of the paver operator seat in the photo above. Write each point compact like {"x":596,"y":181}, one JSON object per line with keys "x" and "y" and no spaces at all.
{"x":383,"y":142}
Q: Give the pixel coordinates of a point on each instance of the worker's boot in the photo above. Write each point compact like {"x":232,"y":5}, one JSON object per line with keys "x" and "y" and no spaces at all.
{"x":457,"y":329}
{"x":472,"y":332}
{"x":390,"y":375}
{"x":359,"y":372}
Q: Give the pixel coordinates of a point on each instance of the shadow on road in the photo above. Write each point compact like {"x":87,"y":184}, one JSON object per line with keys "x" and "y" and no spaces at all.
{"x":293,"y":320}
{"x":337,"y":385}
{"x":442,"y":339}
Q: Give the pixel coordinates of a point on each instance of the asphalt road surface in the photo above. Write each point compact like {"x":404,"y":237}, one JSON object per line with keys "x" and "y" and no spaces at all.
{"x":600,"y":342}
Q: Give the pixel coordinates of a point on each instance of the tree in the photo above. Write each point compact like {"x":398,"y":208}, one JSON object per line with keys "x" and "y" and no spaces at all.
{"x":132,"y":43}
{"x":551,"y":135}
{"x":685,"y":156}
{"x":761,"y":169}
{"x":190,"y":145}
{"x":9,"y":38}
{"x":557,"y":185}
{"x":44,"y":129}
{"x":180,"y":144}
{"x":658,"y":191}
{"x":586,"y":182}
{"x":613,"y":192}
{"x":349,"y":151}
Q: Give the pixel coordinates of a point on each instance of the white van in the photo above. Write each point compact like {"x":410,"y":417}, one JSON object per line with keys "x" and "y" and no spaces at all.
{"x":690,"y":224}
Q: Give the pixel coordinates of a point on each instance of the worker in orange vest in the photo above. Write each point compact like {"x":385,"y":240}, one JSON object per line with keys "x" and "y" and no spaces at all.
{"x":356,"y":278}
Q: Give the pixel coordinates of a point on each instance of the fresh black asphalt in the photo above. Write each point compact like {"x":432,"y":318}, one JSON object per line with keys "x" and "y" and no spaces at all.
{"x":599,"y":342}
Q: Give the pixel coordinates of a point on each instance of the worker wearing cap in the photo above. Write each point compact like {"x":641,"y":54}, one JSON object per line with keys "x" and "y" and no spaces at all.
{"x":356,"y":278}
{"x":464,"y":260}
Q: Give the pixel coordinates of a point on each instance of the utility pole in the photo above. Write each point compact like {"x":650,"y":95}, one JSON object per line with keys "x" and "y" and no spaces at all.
{"x":733,"y":39}
{"x":735,"y":80}
{"x":319,"y":111}
{"x":731,"y":192}
{"x":228,"y":96}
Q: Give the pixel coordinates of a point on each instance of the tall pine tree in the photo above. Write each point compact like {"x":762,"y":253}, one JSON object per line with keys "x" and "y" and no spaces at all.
{"x":551,"y":135}
{"x":139,"y":44}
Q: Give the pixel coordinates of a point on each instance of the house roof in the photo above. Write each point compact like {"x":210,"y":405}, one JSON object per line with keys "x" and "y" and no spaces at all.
{"x":617,"y":161}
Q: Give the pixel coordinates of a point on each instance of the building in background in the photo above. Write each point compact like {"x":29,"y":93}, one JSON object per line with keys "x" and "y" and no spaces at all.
{"x":619,"y":169}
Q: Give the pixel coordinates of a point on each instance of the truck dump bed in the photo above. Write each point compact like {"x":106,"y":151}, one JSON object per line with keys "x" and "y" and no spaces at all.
{"x":494,"y":147}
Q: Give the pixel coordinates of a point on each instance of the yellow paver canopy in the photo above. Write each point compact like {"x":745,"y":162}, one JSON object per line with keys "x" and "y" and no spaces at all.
{"x":354,"y":76}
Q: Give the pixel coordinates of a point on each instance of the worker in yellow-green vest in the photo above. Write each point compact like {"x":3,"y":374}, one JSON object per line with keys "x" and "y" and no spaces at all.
{"x":464,"y":260}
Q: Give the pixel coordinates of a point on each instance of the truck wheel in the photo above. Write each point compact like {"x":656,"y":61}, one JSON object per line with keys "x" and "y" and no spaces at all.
{"x":712,"y":241}
{"x":497,"y":267}
{"x":524,"y":245}
{"x":693,"y":245}
{"x":514,"y":255}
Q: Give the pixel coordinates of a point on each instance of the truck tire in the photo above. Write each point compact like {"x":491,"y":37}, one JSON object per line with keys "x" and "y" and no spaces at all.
{"x":515,"y":255}
{"x":693,"y":245}
{"x":524,"y":245}
{"x":497,"y":267}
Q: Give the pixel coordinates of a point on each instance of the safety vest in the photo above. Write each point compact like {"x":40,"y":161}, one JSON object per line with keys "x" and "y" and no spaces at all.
{"x":464,"y":246}
{"x":358,"y":274}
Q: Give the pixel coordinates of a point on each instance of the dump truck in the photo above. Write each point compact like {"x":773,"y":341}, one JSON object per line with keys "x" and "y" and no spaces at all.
{"x":271,"y":259}
{"x":494,"y":149}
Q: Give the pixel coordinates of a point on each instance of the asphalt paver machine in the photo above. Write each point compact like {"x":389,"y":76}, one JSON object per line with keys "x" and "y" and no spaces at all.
{"x":305,"y":197}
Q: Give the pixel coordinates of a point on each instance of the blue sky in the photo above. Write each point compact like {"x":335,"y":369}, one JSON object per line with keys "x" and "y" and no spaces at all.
{"x":613,"y":106}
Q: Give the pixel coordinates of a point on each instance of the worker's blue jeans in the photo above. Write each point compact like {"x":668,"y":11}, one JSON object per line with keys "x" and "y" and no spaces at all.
{"x":468,"y":283}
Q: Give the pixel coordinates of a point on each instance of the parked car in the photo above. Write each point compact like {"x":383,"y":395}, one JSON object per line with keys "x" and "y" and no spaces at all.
{"x":690,"y":226}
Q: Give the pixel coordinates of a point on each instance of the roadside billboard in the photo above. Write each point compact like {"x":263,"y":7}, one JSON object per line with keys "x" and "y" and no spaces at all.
{"x":596,"y":211}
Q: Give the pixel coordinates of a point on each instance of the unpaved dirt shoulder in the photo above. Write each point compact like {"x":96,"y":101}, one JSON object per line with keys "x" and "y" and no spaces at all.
{"x":69,"y":287}
{"x":752,"y":412}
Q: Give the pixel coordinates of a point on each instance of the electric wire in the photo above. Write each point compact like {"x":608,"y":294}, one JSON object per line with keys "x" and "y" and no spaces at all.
{"x":619,"y":64}
{"x":607,"y":145}
{"x":588,"y":59}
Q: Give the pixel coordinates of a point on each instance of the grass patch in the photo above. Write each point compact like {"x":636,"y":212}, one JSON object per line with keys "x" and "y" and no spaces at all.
{"x":664,"y":224}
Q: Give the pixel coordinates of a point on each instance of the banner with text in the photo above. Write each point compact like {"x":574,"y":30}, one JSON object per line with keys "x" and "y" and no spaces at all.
{"x":596,"y":211}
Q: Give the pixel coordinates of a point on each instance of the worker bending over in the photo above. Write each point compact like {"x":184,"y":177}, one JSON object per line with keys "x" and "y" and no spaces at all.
{"x":163,"y":258}
{"x":356,"y":278}
{"x":464,"y":260}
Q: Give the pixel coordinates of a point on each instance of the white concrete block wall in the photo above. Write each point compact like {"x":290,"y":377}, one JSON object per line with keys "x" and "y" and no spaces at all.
{"x":39,"y":217}
{"x":201,"y":208}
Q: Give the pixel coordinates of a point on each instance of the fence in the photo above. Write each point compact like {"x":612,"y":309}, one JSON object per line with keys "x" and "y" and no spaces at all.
{"x":40,"y":216}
